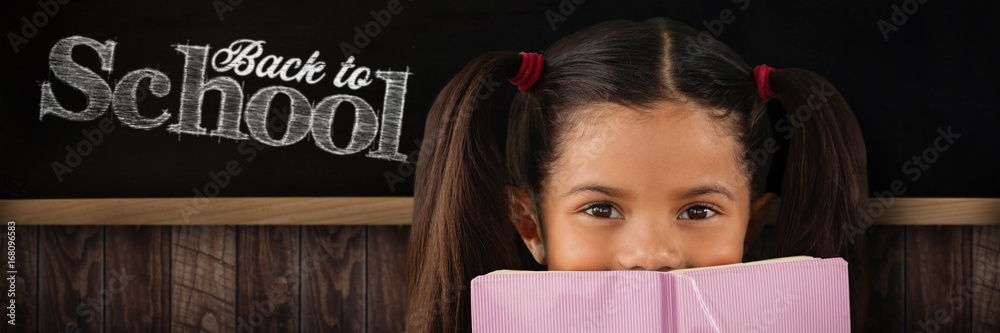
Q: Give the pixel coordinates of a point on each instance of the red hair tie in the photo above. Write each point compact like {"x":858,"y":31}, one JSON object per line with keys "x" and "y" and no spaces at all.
{"x":762,"y":75}
{"x":531,"y":69}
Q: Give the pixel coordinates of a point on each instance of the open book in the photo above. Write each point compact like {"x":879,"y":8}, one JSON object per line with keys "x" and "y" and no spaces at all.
{"x":792,"y":294}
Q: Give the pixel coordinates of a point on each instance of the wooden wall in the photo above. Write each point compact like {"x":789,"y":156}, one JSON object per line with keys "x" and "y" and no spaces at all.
{"x":934,"y":279}
{"x":352,"y":278}
{"x":210,"y":278}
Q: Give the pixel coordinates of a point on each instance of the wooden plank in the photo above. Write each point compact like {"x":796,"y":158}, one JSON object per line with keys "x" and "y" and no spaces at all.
{"x":203,"y":280}
{"x":938,"y":271}
{"x":374,"y":211}
{"x":268,"y":270}
{"x":138,"y":277}
{"x":26,"y":280}
{"x":212,"y":211}
{"x":387,"y":278}
{"x":941,"y":211}
{"x":333,"y":279}
{"x":986,"y":279}
{"x":887,"y":276}
{"x":71,"y":279}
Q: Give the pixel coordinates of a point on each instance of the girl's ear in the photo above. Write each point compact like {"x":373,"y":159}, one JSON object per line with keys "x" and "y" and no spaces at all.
{"x":524,"y":219}
{"x":760,"y":213}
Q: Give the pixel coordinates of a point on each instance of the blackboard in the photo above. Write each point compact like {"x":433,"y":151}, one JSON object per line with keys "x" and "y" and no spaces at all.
{"x":911,"y":69}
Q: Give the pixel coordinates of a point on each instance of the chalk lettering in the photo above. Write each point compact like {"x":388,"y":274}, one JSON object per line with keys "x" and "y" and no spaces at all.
{"x":80,"y":78}
{"x":241,"y":58}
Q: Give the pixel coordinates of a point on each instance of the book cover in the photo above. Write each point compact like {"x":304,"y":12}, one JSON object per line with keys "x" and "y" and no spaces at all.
{"x":792,"y":294}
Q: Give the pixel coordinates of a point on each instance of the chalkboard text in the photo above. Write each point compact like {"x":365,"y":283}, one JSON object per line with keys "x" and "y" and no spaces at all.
{"x":306,"y":118}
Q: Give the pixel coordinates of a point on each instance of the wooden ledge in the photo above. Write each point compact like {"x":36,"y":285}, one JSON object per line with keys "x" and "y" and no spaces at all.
{"x":375,"y":211}
{"x":211,"y":211}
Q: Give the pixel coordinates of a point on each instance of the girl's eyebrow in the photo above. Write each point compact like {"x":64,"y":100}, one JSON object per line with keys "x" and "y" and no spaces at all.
{"x":609,"y":191}
{"x":707,"y":189}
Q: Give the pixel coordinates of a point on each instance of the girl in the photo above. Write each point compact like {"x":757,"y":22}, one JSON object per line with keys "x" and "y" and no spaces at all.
{"x":631,"y":145}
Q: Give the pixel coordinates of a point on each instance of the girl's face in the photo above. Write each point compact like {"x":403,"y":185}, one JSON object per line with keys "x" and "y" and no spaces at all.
{"x":653,"y":191}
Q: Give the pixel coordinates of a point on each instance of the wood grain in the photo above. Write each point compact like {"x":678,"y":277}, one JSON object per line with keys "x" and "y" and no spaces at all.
{"x":333,"y":279}
{"x":887,"y":277}
{"x":26,"y":285}
{"x":938,"y":271}
{"x":203,"y":280}
{"x":352,"y":278}
{"x":212,"y":211}
{"x":986,"y":279}
{"x":375,"y":211}
{"x":71,"y":277}
{"x":387,"y":278}
{"x":138,"y":275}
{"x":268,"y":271}
{"x":941,"y":211}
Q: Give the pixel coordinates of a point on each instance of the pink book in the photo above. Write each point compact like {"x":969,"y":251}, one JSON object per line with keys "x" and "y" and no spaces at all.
{"x":792,"y":294}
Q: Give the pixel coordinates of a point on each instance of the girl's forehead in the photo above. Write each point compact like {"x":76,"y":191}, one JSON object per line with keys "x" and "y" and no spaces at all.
{"x":607,"y":117}
{"x":669,"y":146}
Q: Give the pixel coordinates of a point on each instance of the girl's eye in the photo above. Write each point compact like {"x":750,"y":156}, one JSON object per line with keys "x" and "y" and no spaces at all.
{"x":604,"y":210}
{"x":697,"y":213}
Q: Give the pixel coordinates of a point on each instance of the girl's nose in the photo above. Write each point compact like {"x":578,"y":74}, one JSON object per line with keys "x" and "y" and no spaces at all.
{"x":649,"y":249}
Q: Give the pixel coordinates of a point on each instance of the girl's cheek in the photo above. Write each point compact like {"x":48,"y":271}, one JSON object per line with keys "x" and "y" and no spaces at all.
{"x":710,"y":249}
{"x":579,"y":248}
{"x":579,"y":259}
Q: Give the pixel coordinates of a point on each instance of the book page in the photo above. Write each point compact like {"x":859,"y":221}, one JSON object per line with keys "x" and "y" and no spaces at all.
{"x":752,"y":263}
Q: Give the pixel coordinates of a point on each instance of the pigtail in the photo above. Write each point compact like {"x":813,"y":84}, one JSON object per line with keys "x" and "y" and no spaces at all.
{"x":825,"y":185}
{"x":461,"y":226}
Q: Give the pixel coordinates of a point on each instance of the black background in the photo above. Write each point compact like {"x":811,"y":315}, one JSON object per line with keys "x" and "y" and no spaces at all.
{"x":933,"y":72}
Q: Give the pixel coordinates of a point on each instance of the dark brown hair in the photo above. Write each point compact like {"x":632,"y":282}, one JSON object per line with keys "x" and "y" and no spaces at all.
{"x":462,"y":224}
